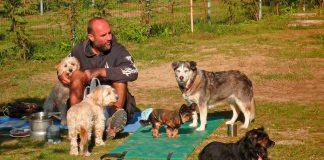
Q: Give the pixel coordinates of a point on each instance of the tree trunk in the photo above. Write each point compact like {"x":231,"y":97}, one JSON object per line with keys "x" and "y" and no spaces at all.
{"x":302,"y":5}
{"x":277,"y":7}
{"x":260,"y":10}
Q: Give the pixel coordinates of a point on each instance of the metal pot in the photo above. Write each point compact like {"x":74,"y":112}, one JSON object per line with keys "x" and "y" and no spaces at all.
{"x":39,"y":122}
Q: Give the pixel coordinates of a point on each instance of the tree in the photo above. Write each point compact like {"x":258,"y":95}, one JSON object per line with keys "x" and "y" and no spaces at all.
{"x":14,"y":13}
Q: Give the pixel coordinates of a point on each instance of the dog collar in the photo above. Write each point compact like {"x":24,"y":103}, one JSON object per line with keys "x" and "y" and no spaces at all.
{"x":189,"y":86}
{"x":186,"y":89}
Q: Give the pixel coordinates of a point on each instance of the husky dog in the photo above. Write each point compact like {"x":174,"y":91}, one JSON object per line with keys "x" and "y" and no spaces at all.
{"x":59,"y":95}
{"x":208,"y":89}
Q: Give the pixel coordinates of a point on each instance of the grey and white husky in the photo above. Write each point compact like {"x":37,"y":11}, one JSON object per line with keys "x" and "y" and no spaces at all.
{"x":208,"y":89}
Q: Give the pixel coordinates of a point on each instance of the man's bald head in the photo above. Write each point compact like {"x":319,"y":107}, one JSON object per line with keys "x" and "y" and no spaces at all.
{"x":94,"y":20}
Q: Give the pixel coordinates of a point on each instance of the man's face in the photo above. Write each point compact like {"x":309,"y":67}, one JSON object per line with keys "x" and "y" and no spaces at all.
{"x":101,"y":36}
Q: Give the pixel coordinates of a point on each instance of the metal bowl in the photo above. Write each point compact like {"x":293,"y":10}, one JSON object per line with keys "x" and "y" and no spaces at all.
{"x":39,"y":116}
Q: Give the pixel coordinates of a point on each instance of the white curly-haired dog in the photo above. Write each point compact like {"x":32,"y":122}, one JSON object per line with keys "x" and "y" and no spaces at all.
{"x":88,"y":115}
{"x":59,"y":94}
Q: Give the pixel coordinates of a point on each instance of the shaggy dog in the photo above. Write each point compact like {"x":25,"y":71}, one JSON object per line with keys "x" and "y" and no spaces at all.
{"x":59,"y":95}
{"x":208,"y":89}
{"x":88,"y":115}
{"x":172,"y":119}
{"x":251,"y":147}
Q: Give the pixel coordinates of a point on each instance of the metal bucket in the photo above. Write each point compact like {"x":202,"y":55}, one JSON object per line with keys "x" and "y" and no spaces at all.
{"x":39,"y":123}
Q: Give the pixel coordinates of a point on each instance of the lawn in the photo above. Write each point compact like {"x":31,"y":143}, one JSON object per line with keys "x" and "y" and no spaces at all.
{"x":285,"y":64}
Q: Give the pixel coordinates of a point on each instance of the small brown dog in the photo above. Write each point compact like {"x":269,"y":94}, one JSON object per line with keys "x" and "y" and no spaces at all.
{"x":171,"y":119}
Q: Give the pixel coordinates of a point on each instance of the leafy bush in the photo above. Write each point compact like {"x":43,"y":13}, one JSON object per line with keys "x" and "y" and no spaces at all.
{"x":163,"y":30}
{"x":133,"y":32}
{"x":2,"y":36}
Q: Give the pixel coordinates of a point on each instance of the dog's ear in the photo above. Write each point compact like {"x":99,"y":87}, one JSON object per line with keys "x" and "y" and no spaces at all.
{"x":193,"y":65}
{"x":175,"y":65}
{"x":96,"y":96}
{"x":59,"y":69}
{"x":182,"y":107}
{"x":252,"y":136}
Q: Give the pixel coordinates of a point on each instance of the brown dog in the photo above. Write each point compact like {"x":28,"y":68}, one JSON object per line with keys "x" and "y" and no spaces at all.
{"x":172,"y":119}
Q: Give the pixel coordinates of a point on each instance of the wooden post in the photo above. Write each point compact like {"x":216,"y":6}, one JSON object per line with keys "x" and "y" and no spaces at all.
{"x":260,"y":9}
{"x":304,"y":8}
{"x":209,"y":12}
{"x":191,"y":16}
{"x":41,"y":7}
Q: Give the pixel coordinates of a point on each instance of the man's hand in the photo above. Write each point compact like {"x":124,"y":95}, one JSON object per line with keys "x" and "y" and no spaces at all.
{"x":94,"y":73}
{"x":64,"y":79}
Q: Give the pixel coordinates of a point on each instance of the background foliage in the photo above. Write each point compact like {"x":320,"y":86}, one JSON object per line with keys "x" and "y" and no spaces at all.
{"x":24,"y":37}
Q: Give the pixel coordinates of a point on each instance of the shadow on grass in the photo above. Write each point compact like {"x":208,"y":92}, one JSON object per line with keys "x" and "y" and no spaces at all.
{"x":37,"y":101}
{"x":5,"y":131}
{"x":210,"y":116}
{"x":227,"y":115}
{"x":20,"y":143}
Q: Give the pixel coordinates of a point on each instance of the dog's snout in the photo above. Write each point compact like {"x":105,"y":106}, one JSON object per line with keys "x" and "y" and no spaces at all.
{"x":70,"y":70}
{"x":181,"y":78}
{"x":116,"y":97}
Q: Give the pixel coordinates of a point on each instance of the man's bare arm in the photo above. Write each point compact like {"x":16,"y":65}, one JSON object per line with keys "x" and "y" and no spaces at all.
{"x":121,"y":89}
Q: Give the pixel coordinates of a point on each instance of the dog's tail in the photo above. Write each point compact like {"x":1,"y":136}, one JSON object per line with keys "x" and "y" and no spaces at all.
{"x":144,"y":122}
{"x":252,"y":106}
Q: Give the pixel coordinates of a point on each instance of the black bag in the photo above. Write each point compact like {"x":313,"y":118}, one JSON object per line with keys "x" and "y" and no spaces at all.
{"x":20,"y":109}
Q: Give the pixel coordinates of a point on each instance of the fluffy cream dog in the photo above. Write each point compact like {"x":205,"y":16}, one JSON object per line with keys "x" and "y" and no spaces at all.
{"x":59,"y":94}
{"x":88,"y":115}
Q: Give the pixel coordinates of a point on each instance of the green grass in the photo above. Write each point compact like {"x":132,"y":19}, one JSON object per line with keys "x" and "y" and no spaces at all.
{"x":290,"y":55}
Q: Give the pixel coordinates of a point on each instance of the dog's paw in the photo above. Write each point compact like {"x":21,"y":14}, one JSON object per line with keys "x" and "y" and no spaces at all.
{"x":193,"y":125}
{"x":229,"y":122}
{"x":74,"y":153}
{"x":244,"y":126}
{"x":156,"y":135}
{"x":201,"y":128}
{"x":100,"y":143}
{"x":176,"y":136}
{"x":86,"y":154}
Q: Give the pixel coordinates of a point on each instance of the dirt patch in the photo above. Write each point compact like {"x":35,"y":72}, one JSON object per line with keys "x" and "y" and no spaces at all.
{"x":289,"y":142}
{"x":302,"y":15}
{"x":305,"y":23}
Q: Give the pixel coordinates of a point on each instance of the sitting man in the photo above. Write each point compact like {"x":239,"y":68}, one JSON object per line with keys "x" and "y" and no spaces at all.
{"x":102,"y":57}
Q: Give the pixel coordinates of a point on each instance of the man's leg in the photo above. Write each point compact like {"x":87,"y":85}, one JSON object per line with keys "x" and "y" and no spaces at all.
{"x":117,"y":115}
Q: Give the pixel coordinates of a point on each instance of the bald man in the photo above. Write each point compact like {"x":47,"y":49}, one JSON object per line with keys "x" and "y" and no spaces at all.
{"x":102,"y":57}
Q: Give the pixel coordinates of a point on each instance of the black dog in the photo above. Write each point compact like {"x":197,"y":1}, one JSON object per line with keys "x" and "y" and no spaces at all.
{"x":251,"y":147}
